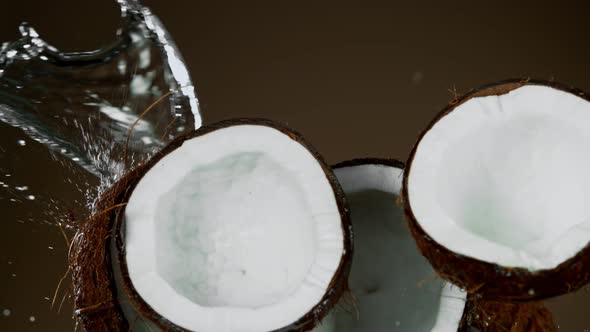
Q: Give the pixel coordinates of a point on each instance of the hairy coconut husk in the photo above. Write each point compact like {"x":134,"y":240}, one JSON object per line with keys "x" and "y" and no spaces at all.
{"x":97,"y":308}
{"x":488,"y":316}
{"x":95,"y":301}
{"x":492,"y":281}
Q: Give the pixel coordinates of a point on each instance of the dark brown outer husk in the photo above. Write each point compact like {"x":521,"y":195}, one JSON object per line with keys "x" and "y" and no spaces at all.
{"x":492,"y":281}
{"x":94,"y":283}
{"x":95,"y":301}
{"x":491,"y":316}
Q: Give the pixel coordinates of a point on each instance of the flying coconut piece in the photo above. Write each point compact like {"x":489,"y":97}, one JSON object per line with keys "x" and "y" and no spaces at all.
{"x":496,"y":191}
{"x":238,"y":227}
{"x":395,"y":288}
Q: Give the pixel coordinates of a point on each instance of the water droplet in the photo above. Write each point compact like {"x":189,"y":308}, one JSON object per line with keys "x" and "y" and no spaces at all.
{"x":31,"y":197}
{"x":21,"y":142}
{"x":6,"y":312}
{"x":32,"y":319}
{"x":122,"y":66}
{"x":147,"y":140}
{"x":531,"y":292}
{"x":50,"y":247}
{"x":21,"y":188}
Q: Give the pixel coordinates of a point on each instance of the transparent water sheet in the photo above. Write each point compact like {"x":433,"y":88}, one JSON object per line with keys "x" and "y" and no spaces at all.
{"x":82,"y":105}
{"x":80,"y":121}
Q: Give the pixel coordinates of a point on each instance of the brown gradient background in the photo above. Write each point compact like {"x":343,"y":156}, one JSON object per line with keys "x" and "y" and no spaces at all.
{"x":357,"y":80}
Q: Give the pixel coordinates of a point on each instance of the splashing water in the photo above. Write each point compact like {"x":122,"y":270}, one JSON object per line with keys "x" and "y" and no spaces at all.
{"x":75,"y":111}
{"x":81,"y":106}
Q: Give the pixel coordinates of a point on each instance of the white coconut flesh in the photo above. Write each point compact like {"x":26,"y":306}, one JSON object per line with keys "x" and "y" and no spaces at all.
{"x":236,"y":230}
{"x":505,"y":179}
{"x":395,"y":287}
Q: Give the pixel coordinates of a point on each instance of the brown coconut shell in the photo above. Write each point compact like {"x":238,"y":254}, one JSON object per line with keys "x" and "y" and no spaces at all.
{"x":95,"y":300}
{"x":490,"y":316}
{"x":94,"y":284}
{"x":492,"y":281}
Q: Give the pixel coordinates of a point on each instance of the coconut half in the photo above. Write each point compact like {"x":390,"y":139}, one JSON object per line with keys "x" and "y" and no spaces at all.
{"x":395,"y":288}
{"x":496,"y":190}
{"x":239,"y":226}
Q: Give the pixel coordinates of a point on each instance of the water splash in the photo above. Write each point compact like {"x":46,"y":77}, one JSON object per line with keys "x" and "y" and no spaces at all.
{"x":81,"y":105}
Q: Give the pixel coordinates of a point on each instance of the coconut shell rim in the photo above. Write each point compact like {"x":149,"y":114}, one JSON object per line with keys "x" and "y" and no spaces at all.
{"x":423,"y":239}
{"x":339,"y":282}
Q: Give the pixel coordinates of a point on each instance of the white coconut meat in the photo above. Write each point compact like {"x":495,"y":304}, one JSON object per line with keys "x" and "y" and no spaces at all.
{"x":395,"y":286}
{"x":504,"y":179}
{"x":236,"y":230}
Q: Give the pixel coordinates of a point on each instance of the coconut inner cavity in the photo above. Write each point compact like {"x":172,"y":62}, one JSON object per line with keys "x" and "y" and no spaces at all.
{"x":236,"y":230}
{"x":505,"y":178}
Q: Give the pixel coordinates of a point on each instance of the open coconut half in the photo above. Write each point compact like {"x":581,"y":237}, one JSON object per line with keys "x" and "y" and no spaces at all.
{"x":496,"y":190}
{"x":238,"y":227}
{"x":395,"y":288}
